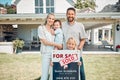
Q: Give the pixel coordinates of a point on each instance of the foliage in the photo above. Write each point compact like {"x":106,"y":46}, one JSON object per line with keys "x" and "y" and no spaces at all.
{"x":11,"y":11}
{"x":117,"y":5}
{"x":81,"y":4}
{"x":9,"y":8}
{"x":1,"y":5}
{"x":118,"y":46}
{"x":17,"y":43}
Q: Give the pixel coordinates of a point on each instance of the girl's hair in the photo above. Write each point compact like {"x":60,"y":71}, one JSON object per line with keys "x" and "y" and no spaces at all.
{"x":58,"y":21}
{"x":71,"y":38}
{"x":47,"y":17}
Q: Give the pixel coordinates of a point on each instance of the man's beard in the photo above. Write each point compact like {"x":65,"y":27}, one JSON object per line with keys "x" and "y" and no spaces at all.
{"x":70,"y":19}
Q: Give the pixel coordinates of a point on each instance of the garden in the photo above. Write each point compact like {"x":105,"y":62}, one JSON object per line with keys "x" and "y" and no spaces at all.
{"x":28,"y":66}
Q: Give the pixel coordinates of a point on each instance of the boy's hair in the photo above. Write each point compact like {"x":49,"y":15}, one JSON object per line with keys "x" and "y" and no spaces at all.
{"x":71,"y":38}
{"x":71,"y":8}
{"x":57,"y":20}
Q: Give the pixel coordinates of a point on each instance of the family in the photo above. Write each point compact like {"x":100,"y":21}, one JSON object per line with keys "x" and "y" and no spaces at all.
{"x":55,"y":35}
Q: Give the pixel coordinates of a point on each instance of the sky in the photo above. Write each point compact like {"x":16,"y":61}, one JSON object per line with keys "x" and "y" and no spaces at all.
{"x":5,"y":1}
{"x":100,"y":3}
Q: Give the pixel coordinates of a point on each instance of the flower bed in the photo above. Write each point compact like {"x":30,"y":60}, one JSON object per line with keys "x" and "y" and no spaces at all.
{"x":118,"y":48}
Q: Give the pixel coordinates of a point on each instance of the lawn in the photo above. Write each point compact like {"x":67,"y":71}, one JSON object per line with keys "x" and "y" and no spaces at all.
{"x":28,"y":67}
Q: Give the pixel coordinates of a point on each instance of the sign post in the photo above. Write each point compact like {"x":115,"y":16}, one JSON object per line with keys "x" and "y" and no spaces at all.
{"x":65,"y":65}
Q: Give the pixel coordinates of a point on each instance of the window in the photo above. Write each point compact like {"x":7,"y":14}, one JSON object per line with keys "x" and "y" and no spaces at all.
{"x":38,"y":10}
{"x":38,"y":6}
{"x":49,"y":6}
{"x":34,"y":34}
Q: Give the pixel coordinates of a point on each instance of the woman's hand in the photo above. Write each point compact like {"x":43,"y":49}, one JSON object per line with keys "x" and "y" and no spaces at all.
{"x":59,"y":46}
{"x":51,"y":64}
{"x":45,"y":42}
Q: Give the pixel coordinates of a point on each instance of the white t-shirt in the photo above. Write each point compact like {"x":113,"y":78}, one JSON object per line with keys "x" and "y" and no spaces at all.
{"x":76,"y":31}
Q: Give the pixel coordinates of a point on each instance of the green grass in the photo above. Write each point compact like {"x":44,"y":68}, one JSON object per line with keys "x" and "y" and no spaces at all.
{"x":20,"y":67}
{"x":28,"y":67}
{"x":102,"y":67}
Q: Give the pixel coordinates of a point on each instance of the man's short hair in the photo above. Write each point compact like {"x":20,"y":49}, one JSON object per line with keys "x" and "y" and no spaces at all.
{"x":71,"y":8}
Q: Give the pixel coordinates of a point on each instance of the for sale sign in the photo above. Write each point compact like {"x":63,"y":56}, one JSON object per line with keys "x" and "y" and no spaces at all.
{"x":65,"y":65}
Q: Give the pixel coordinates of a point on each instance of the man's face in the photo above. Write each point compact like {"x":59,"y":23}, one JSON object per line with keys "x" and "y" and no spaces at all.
{"x":70,"y":16}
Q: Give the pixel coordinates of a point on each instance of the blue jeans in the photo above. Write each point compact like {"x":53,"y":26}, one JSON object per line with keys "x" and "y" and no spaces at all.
{"x":46,"y":58}
{"x":82,"y":72}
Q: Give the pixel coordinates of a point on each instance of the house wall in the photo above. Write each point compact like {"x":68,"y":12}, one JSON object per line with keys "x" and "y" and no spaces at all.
{"x":6,"y":47}
{"x":24,"y":32}
{"x":61,"y":6}
{"x":26,"y":6}
{"x":94,"y":36}
{"x":116,"y":37}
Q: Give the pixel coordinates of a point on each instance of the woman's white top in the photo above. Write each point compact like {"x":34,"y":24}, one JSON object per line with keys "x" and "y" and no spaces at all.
{"x":44,"y":34}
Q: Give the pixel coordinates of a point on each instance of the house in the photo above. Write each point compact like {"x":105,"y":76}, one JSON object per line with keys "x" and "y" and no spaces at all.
{"x":32,"y":13}
{"x":43,"y":6}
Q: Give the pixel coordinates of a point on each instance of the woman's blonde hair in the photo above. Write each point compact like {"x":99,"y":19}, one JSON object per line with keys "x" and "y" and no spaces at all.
{"x":71,"y":38}
{"x":47,"y":17}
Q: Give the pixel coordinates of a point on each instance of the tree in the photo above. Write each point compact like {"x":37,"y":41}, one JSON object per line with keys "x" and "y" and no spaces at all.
{"x":117,"y":5}
{"x":112,"y":8}
{"x":1,"y":5}
{"x":10,"y":9}
{"x":81,"y":4}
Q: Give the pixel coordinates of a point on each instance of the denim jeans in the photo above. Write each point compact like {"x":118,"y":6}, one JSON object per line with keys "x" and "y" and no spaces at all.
{"x":82,"y":72}
{"x":46,"y":58}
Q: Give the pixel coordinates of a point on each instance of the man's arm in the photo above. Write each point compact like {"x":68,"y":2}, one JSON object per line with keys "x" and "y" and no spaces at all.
{"x":81,"y":44}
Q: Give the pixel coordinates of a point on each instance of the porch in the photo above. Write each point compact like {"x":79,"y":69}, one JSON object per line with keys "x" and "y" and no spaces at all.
{"x":27,"y":25}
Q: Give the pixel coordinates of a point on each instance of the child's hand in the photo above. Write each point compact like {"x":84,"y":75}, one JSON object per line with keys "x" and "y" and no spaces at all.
{"x":56,"y":48}
{"x":79,"y":63}
{"x":51,"y":64}
{"x":65,"y":66}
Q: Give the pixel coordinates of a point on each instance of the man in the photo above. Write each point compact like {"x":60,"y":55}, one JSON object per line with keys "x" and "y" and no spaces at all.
{"x":71,"y":28}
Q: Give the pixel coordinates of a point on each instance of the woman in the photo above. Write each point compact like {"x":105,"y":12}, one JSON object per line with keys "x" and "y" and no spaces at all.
{"x":47,"y":44}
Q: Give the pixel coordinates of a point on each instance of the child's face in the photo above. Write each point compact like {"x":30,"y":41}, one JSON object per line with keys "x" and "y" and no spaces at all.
{"x":56,"y":25}
{"x":71,"y":45}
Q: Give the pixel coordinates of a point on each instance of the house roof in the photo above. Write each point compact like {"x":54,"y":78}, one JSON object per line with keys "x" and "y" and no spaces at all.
{"x":15,"y":1}
{"x":90,"y":20}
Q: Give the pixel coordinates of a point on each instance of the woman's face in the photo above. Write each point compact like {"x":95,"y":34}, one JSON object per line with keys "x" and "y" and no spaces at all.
{"x":71,"y":44}
{"x":50,"y":19}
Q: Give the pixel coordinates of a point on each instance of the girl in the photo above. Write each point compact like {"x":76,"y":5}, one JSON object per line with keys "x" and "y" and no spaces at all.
{"x":71,"y":45}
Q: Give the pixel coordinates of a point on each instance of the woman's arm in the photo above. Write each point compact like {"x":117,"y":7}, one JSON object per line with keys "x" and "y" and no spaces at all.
{"x":45,"y":42}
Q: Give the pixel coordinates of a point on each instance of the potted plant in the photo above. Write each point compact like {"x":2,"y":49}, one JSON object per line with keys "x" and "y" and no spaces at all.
{"x":118,"y":48}
{"x":18,"y":45}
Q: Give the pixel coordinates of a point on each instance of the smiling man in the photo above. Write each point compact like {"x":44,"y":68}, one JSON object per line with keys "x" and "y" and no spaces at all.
{"x":71,"y":28}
